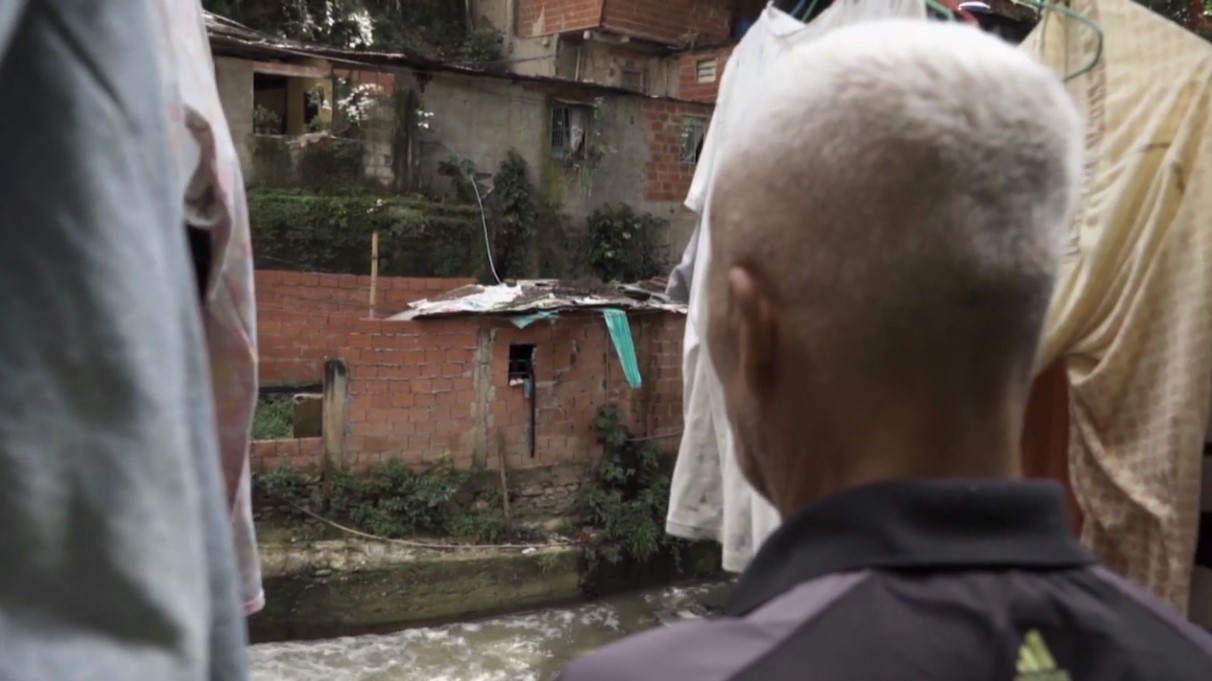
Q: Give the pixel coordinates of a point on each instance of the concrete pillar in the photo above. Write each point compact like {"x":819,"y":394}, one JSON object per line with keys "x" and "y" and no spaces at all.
{"x":235,"y":80}
{"x":336,"y":410}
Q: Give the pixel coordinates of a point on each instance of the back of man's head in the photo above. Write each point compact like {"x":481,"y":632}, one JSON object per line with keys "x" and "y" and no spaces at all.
{"x":886,"y":230}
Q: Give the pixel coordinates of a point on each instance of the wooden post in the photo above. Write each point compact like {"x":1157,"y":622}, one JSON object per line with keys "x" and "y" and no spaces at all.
{"x":374,"y":271}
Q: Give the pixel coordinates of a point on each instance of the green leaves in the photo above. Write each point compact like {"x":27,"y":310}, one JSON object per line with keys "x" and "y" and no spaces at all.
{"x":397,"y":501}
{"x":626,"y":246}
{"x":627,"y":507}
{"x":331,"y":233}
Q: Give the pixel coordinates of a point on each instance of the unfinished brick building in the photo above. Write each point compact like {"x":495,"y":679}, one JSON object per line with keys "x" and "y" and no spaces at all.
{"x":474,"y":389}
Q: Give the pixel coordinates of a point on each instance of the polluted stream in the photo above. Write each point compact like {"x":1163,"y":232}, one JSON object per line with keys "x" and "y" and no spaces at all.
{"x":530,"y":646}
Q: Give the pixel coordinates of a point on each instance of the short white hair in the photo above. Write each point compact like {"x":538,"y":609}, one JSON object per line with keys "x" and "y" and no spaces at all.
{"x":905,"y":187}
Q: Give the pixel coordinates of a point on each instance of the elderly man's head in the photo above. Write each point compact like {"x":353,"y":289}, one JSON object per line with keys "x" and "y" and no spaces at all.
{"x":886,"y":231}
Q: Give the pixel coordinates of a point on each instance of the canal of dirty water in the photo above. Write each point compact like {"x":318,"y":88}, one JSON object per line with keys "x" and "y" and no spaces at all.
{"x":525,"y":647}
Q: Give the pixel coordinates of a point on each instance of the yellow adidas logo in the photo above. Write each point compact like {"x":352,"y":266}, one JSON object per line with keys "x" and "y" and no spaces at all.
{"x":1035,"y":661}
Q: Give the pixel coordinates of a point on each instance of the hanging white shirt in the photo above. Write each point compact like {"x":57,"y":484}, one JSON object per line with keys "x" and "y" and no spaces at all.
{"x":709,"y":497}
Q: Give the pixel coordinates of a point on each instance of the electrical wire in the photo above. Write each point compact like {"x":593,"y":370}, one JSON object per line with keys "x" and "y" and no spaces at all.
{"x":1077,"y":16}
{"x":479,"y":201}
{"x":484,"y":221}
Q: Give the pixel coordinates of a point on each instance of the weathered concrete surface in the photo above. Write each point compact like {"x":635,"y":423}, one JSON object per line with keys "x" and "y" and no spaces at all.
{"x":328,"y":588}
{"x":235,"y":81}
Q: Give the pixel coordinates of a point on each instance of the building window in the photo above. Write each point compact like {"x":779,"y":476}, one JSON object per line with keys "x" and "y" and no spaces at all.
{"x":694,"y":131}
{"x":521,"y":363}
{"x":569,"y":128}
{"x":704,"y":70}
{"x":633,"y":79}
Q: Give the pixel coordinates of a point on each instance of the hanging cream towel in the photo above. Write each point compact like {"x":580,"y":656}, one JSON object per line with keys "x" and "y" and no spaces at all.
{"x":1132,"y":314}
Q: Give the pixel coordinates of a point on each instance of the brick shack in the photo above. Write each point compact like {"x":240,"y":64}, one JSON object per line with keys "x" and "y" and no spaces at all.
{"x":478,"y":376}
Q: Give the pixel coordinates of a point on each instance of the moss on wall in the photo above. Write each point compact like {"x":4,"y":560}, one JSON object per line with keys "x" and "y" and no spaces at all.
{"x":332,"y":233}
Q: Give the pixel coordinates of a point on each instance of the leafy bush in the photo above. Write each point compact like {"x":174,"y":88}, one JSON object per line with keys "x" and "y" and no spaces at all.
{"x":625,"y":245}
{"x":397,"y":501}
{"x":627,"y":507}
{"x":483,"y":45}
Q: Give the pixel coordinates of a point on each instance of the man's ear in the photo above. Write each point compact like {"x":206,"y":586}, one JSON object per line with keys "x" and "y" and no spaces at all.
{"x":754,"y":326}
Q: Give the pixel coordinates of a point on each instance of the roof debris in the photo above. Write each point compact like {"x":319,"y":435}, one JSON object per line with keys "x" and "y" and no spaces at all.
{"x":527,"y":297}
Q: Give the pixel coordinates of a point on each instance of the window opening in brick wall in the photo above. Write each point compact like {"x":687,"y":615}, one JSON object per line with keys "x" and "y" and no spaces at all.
{"x":704,"y":70}
{"x":521,"y":363}
{"x":694,"y":131}
{"x":633,"y":79}
{"x":569,"y":128}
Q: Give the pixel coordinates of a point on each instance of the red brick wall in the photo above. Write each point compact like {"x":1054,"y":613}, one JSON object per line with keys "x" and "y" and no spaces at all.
{"x":302,"y":317}
{"x":545,"y":17}
{"x":670,"y":21}
{"x":266,"y":455}
{"x":666,"y":177}
{"x":425,"y":390}
{"x":689,"y":86}
{"x":665,"y":21}
{"x":439,"y":388}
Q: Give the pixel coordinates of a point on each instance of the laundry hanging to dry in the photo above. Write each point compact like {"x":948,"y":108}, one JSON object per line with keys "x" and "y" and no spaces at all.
{"x":1132,"y":315}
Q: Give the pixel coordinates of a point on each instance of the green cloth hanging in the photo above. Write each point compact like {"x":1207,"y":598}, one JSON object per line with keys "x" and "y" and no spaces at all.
{"x":620,"y":336}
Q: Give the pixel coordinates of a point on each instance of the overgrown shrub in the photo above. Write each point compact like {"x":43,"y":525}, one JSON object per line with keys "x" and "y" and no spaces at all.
{"x":626,"y":246}
{"x":274,"y":418}
{"x":514,"y":210}
{"x":483,"y":45}
{"x":628,"y":505}
{"x":396,"y":501}
{"x":310,"y":232}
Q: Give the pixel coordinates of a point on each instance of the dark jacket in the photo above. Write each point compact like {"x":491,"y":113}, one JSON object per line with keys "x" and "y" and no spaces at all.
{"x":917,"y":581}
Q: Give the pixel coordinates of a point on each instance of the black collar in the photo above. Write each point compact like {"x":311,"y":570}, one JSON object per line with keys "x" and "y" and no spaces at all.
{"x":924,"y":524}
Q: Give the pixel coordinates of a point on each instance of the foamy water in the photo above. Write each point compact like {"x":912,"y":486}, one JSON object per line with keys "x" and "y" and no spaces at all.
{"x":527,"y":647}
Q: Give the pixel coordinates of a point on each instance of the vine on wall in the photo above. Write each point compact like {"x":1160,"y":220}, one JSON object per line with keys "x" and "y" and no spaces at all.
{"x":515,"y":217}
{"x":595,"y":150}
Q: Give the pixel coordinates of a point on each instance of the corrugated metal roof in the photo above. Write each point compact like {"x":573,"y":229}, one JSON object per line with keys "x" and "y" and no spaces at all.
{"x":527,"y":297}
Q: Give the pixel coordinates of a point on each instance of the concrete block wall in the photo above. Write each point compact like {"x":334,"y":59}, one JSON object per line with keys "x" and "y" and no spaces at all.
{"x":666,"y":177}
{"x":234,"y":78}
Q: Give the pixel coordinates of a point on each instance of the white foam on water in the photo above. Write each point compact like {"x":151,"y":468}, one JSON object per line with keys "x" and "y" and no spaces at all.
{"x":526,"y":647}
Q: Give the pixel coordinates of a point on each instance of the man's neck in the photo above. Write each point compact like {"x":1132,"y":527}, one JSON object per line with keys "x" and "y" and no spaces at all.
{"x":977,"y":449}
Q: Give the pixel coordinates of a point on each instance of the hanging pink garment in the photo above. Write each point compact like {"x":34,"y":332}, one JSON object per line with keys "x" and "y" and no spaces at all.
{"x":215,"y":202}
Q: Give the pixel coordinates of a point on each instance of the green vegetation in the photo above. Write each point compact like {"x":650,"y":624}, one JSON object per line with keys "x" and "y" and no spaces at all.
{"x":484,"y":45}
{"x":625,"y":245}
{"x":395,"y":502}
{"x":627,"y":507}
{"x":274,"y":418}
{"x":430,"y":28}
{"x":515,"y":217}
{"x":314,"y":232}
